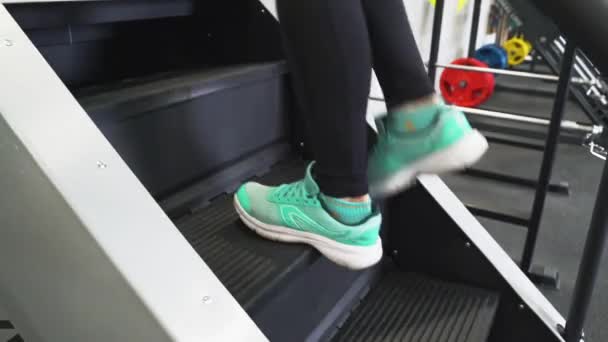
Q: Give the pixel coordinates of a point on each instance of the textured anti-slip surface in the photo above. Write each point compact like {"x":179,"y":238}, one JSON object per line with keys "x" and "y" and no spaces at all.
{"x":247,"y":265}
{"x":409,"y":307}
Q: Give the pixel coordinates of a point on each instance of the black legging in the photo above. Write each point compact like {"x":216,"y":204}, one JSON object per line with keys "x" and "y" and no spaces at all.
{"x":331,"y":46}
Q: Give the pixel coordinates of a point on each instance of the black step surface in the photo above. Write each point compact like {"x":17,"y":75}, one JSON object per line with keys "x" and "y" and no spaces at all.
{"x":409,"y":307}
{"x":249,"y":266}
{"x":38,"y":14}
{"x":131,"y":97}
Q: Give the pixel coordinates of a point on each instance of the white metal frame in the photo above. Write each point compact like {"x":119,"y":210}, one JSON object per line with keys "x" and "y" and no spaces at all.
{"x":86,"y":254}
{"x":532,"y":298}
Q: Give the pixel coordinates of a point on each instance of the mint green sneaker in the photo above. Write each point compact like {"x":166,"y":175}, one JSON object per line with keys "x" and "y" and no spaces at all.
{"x":294,"y":213}
{"x":446,"y":143}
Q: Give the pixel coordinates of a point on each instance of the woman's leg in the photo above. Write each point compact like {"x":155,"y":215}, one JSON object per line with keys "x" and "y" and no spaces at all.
{"x":397,"y":61}
{"x":330,"y":61}
{"x":329,"y":57}
{"x":420,"y":134}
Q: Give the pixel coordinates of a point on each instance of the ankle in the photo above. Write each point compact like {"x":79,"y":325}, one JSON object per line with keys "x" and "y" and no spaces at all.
{"x":357,"y":199}
{"x":413,"y":105}
{"x":347,"y":211}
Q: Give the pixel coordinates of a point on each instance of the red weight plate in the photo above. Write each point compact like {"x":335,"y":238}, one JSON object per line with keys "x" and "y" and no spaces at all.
{"x":466,"y":88}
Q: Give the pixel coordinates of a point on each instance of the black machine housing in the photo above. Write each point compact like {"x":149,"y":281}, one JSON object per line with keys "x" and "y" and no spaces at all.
{"x":195,"y":97}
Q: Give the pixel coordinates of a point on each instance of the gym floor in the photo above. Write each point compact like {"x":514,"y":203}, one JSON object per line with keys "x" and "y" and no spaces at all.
{"x":566,"y":218}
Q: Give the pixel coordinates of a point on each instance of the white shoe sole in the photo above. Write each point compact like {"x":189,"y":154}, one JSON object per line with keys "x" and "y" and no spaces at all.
{"x":353,"y":257}
{"x":458,"y":156}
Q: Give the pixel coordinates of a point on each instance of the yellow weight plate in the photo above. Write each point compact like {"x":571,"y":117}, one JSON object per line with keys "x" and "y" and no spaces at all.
{"x":461,"y":4}
{"x":517,"y":50}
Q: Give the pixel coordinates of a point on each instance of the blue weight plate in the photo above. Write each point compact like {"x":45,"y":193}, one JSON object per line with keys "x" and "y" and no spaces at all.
{"x":493,"y":55}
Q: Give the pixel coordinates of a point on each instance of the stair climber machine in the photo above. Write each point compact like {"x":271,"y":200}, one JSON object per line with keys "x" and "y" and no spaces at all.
{"x":125,"y":126}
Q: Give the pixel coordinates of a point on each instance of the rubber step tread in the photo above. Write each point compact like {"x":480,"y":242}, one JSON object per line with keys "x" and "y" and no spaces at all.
{"x":176,"y":85}
{"x":247,"y":265}
{"x":409,"y":307}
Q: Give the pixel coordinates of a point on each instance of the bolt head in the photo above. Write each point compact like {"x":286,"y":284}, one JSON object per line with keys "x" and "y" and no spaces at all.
{"x":101,"y":165}
{"x":467,"y":244}
{"x":8,"y":42}
{"x":207,"y":300}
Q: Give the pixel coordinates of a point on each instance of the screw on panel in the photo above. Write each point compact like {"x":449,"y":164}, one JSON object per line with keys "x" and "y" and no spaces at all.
{"x":207,"y":300}
{"x":8,"y":42}
{"x":521,"y":306}
{"x":101,"y":164}
{"x":263,"y":10}
{"x":467,"y":244}
{"x":395,"y":252}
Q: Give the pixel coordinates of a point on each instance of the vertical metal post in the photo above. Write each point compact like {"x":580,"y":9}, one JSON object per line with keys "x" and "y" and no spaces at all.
{"x":474,"y":27}
{"x":435,"y":39}
{"x":590,"y":264}
{"x":549,"y":155}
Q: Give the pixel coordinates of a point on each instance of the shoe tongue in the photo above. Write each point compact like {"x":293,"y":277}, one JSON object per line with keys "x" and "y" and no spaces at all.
{"x":413,"y":120}
{"x":309,"y":182}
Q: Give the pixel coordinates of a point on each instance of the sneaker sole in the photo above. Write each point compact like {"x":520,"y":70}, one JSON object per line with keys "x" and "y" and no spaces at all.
{"x":458,"y":156}
{"x":352,"y":257}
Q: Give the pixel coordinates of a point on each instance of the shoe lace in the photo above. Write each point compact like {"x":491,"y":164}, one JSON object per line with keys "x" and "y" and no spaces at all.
{"x":294,"y":192}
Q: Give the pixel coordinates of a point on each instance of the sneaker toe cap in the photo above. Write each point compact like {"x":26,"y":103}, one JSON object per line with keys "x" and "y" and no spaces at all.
{"x":244,"y":199}
{"x":252,"y":196}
